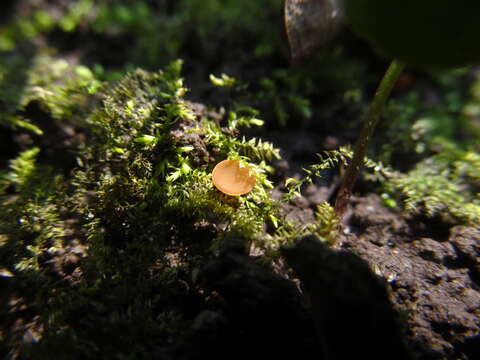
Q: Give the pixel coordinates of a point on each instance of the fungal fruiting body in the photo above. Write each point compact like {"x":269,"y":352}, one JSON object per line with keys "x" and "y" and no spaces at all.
{"x":233,"y":178}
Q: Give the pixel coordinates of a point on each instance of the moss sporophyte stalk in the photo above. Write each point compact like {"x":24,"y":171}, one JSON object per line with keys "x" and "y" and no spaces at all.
{"x":370,"y":123}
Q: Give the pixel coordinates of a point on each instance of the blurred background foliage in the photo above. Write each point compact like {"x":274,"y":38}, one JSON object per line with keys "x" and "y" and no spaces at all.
{"x":244,"y":39}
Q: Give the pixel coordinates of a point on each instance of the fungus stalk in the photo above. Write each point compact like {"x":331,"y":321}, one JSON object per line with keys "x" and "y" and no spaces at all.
{"x":371,"y":121}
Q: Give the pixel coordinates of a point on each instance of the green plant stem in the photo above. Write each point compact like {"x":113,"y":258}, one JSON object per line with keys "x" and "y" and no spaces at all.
{"x":371,"y":121}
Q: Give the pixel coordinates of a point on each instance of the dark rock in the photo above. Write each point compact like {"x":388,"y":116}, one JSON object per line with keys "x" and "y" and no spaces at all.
{"x":265,"y":311}
{"x":433,"y":282}
{"x":350,"y":304}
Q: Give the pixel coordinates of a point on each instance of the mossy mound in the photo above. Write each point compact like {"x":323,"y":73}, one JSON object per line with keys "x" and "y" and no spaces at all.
{"x":136,"y":215}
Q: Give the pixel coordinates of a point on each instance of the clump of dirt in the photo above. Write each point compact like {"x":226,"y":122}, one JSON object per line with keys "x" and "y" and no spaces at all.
{"x":433,"y":282}
{"x":263,"y":313}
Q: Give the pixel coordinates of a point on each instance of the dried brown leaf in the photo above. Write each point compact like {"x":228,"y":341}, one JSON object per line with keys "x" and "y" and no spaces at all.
{"x":311,"y":24}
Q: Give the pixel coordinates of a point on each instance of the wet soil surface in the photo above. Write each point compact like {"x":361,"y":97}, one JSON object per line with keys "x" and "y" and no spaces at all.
{"x":433,"y":281}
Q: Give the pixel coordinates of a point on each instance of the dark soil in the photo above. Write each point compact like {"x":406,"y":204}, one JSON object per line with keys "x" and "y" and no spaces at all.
{"x":432,"y":280}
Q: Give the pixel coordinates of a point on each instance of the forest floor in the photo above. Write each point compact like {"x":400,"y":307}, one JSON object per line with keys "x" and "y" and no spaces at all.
{"x":393,"y":285}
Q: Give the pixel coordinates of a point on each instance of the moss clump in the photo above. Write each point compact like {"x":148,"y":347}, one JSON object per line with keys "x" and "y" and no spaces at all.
{"x":132,"y":224}
{"x":445,"y":185}
{"x":40,"y":19}
{"x":440,"y":139}
{"x":42,"y":87}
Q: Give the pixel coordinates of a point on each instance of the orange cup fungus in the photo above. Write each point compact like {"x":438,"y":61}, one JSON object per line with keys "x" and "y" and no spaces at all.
{"x":233,"y":178}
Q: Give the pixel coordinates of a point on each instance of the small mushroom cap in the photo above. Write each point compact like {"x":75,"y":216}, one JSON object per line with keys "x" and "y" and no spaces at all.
{"x":231,"y":178}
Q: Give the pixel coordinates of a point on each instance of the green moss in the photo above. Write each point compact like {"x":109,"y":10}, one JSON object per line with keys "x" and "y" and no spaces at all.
{"x":157,"y":33}
{"x":441,"y":141}
{"x":61,"y":90}
{"x":152,"y":154}
{"x":140,"y":202}
{"x":445,"y":185}
{"x":160,"y":30}
{"x":40,"y":20}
